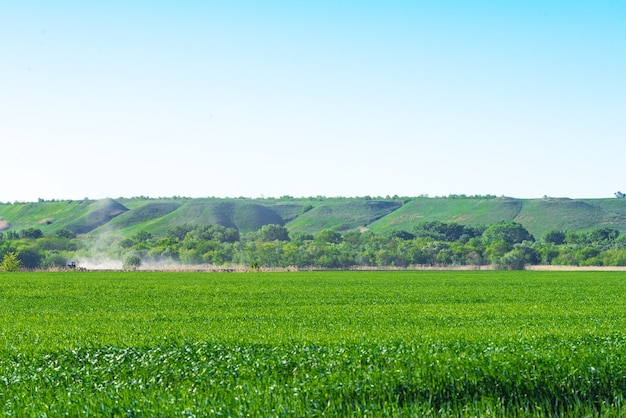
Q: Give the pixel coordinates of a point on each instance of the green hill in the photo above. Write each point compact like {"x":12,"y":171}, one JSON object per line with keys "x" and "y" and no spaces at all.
{"x":342,"y":215}
{"x":310,"y":215}
{"x":466,"y":211}
{"x":79,"y":216}
{"x":542,"y":215}
{"x":158,"y":217}
{"x":98,"y":213}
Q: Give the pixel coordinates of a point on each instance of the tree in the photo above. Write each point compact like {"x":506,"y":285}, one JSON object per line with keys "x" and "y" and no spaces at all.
{"x":32,"y":233}
{"x":179,"y":232}
{"x":273,"y":232}
{"x":554,"y":237}
{"x":132,"y":262}
{"x":11,"y":263}
{"x":513,"y":260}
{"x":444,"y":231}
{"x":509,"y":232}
{"x":602,"y":235}
{"x":329,"y":236}
{"x":496,"y":250}
{"x":352,"y":237}
{"x":142,"y":236}
{"x":403,"y":235}
{"x":30,"y":258}
{"x":11,"y":235}
{"x":65,"y":233}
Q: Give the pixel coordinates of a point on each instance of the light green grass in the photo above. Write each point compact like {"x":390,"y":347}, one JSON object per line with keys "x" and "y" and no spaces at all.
{"x":47,"y":216}
{"x":462,"y":211}
{"x":542,"y":215}
{"x":298,"y":344}
{"x":342,"y":215}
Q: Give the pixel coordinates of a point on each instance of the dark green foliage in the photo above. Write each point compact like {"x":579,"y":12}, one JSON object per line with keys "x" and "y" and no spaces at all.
{"x":142,"y":236}
{"x":509,"y":232}
{"x":403,"y":235}
{"x":602,"y":235}
{"x":54,"y":260}
{"x":329,"y":236}
{"x":212,"y":233}
{"x":273,"y":232}
{"x":271,"y":246}
{"x":180,"y":231}
{"x":55,"y":243}
{"x":446,"y":231}
{"x":554,"y":237}
{"x":65,"y":233}
{"x":301,"y":237}
{"x":512,"y":260}
{"x":355,"y":237}
{"x":11,"y":235}
{"x":31,"y":233}
{"x":594,"y":237}
{"x":30,"y":258}
{"x":132,"y":262}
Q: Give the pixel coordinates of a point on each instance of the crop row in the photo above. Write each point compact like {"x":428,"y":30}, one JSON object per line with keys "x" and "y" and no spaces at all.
{"x":530,"y":377}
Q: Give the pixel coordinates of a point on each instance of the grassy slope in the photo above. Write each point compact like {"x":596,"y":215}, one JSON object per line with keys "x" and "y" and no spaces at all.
{"x":78,"y":216}
{"x":157,"y":217}
{"x":542,"y":215}
{"x":97,"y":214}
{"x":343,"y":215}
{"x":128,"y":216}
{"x":537,"y":215}
{"x":463,"y":211}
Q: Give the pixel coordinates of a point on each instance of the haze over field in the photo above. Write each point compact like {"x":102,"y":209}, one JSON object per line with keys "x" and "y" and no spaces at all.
{"x":110,"y":99}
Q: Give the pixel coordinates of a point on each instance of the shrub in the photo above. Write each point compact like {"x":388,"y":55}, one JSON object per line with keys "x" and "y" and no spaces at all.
{"x":10,"y":262}
{"x":132,"y":262}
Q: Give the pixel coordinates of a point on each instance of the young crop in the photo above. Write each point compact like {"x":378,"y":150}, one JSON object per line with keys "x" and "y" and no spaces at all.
{"x":307,"y":344}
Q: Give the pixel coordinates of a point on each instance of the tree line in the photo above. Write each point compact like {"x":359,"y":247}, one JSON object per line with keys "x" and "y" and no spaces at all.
{"x":505,"y":245}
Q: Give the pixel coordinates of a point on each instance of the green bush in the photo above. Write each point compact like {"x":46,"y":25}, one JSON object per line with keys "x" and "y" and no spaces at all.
{"x":132,"y":262}
{"x":11,"y":263}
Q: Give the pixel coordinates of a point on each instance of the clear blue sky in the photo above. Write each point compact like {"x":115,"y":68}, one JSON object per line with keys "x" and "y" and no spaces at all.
{"x":337,"y":98}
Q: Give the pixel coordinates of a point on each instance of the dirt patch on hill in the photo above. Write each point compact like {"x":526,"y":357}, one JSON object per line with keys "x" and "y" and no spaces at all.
{"x":45,"y":221}
{"x":4,"y":224}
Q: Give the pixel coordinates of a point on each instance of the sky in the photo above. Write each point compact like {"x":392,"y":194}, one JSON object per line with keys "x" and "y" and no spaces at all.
{"x":305,"y":98}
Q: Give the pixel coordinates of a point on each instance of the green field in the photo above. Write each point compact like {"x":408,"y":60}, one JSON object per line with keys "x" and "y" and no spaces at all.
{"x":403,"y":343}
